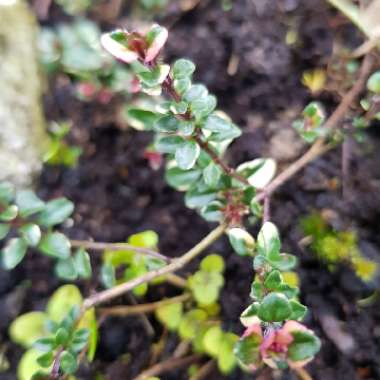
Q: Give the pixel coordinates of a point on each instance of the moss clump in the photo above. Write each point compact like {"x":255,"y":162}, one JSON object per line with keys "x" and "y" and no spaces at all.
{"x":336,"y":247}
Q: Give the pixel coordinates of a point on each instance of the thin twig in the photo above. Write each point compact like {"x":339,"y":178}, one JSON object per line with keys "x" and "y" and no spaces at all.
{"x":346,"y":160}
{"x":167,"y":365}
{"x":145,"y":321}
{"x":302,"y":374}
{"x":54,"y":374}
{"x":176,"y":280}
{"x":266,"y":211}
{"x":218,"y":161}
{"x":347,"y":101}
{"x":123,"y":311}
{"x":175,"y":265}
{"x":182,"y":349}
{"x":101,"y":246}
{"x":316,"y":150}
{"x":204,"y":371}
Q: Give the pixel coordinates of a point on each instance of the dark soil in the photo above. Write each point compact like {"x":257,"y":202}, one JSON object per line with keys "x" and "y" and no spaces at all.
{"x":117,"y":194}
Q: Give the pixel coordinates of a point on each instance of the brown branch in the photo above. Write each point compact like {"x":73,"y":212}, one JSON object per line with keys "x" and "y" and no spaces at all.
{"x":54,"y":374}
{"x":204,"y":371}
{"x":123,"y":311}
{"x":175,"y":265}
{"x":218,"y":161}
{"x":302,"y":374}
{"x":143,"y":318}
{"x":176,"y":280}
{"x":100,"y":246}
{"x":266,"y":210}
{"x":316,"y":150}
{"x":167,"y":365}
{"x":341,"y":111}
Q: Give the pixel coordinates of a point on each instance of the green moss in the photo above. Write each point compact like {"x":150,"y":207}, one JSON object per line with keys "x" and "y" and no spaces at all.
{"x":337,"y":247}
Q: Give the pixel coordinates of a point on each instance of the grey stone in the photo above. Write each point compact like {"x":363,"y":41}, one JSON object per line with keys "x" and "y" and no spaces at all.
{"x":22,"y":127}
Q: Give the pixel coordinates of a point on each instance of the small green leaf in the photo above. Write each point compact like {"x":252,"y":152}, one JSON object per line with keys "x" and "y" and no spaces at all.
{"x":304,"y":346}
{"x":178,"y":108}
{"x":66,"y":269}
{"x":186,"y":127}
{"x":257,"y":290}
{"x":89,"y":323}
{"x":108,"y":275}
{"x":203,"y":106}
{"x":241,"y":241}
{"x":373,"y":83}
{"x":273,"y":280}
{"x":268,"y":241}
{"x":212,"y":341}
{"x":46,"y":360}
{"x":212,"y":263}
{"x":182,"y":85}
{"x":213,"y":211}
{"x":7,"y":191}
{"x":31,"y":233}
{"x":55,"y":212}
{"x":298,"y":310}
{"x":217,"y":124}
{"x":71,"y":318}
{"x":226,"y":358}
{"x":13,"y":253}
{"x":166,"y":124}
{"x":183,"y":68}
{"x":191,"y":323}
{"x":27,"y":328}
{"x":195,"y":198}
{"x":170,"y":315}
{"x":137,"y":270}
{"x":142,"y":119}
{"x":4,"y":229}
{"x":61,"y":337}
{"x":196,"y":91}
{"x":258,"y":172}
{"x":187,"y":154}
{"x":68,"y":363}
{"x":168,"y":144}
{"x":249,"y":315}
{"x":206,"y":286}
{"x":83,"y":263}
{"x":247,"y":350}
{"x":45,"y":344}
{"x":80,"y":340}
{"x":9,"y":213}
{"x":284,"y":262}
{"x":28,"y":203}
{"x":56,"y":245}
{"x":145,"y":239}
{"x":275,"y":307}
{"x":182,"y":179}
{"x":62,"y":301}
{"x":28,"y":365}
{"x":212,"y":174}
{"x":154,"y":77}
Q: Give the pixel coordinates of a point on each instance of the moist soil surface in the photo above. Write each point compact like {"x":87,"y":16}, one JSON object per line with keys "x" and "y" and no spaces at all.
{"x":117,"y":193}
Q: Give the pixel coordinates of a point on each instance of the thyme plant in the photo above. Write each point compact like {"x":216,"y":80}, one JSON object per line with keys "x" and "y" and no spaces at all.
{"x":194,"y":135}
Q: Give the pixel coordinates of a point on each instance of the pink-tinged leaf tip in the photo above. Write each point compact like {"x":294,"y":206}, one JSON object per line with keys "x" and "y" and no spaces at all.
{"x":117,"y":49}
